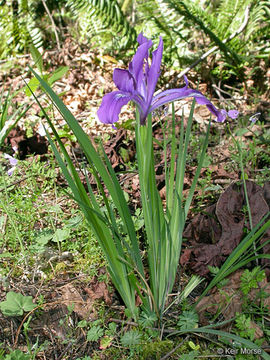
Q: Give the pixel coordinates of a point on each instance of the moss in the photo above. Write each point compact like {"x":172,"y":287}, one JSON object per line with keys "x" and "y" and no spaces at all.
{"x":157,"y":349}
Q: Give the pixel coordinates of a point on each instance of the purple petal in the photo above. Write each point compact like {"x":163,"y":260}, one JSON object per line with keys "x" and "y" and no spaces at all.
{"x":11,"y":159}
{"x":186,"y":80}
{"x":233,"y":114}
{"x":11,"y":171}
{"x":111,"y":106}
{"x":220,"y":117}
{"x":154,"y":71}
{"x":141,"y":56}
{"x":141,"y":85}
{"x":255,"y":117}
{"x":220,"y":114}
{"x":124,"y":80}
{"x":141,"y":39}
{"x":177,"y":94}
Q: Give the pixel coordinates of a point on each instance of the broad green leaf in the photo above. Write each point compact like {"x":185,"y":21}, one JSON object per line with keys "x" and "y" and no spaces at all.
{"x":6,"y":255}
{"x":17,"y":355}
{"x":131,"y":338}
{"x":61,"y":235}
{"x":187,"y":320}
{"x":44,"y":236}
{"x":16,"y":303}
{"x":33,"y":84}
{"x":74,"y":222}
{"x":57,"y":74}
{"x":193,"y":346}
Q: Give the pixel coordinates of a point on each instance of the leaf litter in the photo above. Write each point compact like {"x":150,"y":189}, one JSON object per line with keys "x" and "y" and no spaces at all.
{"x":213,"y":234}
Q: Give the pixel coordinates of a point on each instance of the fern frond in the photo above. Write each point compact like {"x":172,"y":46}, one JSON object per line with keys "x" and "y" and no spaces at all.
{"x":194,"y":15}
{"x":103,"y":16}
{"x":18,"y":27}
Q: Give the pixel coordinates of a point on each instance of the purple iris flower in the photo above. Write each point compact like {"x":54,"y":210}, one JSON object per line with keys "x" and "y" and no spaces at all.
{"x":13,"y":162}
{"x":138,"y":84}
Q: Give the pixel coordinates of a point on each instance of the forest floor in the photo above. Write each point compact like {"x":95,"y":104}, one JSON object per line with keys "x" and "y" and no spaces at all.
{"x":48,"y":252}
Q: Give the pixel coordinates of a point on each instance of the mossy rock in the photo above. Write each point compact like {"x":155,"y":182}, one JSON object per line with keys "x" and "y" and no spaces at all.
{"x":157,"y":349}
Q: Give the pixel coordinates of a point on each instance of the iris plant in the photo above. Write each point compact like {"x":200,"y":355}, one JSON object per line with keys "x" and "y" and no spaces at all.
{"x":137,"y":283}
{"x":113,"y":225}
{"x":138,"y":84}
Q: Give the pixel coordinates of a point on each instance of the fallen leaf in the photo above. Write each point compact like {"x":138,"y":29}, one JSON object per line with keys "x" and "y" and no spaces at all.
{"x":98,"y":291}
{"x":72,"y":297}
{"x":229,"y":301}
{"x":216,"y":232}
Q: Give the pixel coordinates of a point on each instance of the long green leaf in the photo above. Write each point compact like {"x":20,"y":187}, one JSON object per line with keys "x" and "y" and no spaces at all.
{"x":93,"y":157}
{"x":117,"y":269}
{"x":222,"y":334}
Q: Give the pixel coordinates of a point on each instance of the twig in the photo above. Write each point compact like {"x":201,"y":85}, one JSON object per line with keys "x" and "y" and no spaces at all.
{"x":69,"y":345}
{"x":131,"y":323}
{"x":173,"y":350}
{"x":33,"y":310}
{"x":53,"y":24}
{"x":232,"y":98}
{"x":214,"y":48}
{"x":4,"y":224}
{"x":15,"y":183}
{"x":217,"y":90}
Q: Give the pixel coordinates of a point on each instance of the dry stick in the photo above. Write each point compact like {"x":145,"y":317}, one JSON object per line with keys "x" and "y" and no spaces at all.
{"x":173,"y":350}
{"x":69,"y":345}
{"x":33,"y":310}
{"x":227,"y":93}
{"x":214,"y":48}
{"x":131,"y":323}
{"x":15,"y":183}
{"x":53,"y":24}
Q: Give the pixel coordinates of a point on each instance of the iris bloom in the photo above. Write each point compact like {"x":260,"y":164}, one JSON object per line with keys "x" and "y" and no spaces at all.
{"x":13,"y":162}
{"x":138,"y":84}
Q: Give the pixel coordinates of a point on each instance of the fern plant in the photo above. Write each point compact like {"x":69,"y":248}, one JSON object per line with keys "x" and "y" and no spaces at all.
{"x":183,"y":22}
{"x":18,"y":28}
{"x":105,"y":21}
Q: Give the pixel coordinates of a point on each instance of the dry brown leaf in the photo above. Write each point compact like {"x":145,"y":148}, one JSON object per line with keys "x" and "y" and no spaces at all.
{"x":99,"y":291}
{"x":214,"y":234}
{"x":229,"y":300}
{"x":72,"y":297}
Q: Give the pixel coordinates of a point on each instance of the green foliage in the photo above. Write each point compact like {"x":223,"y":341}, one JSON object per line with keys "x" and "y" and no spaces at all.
{"x":179,"y":22}
{"x":7,"y":106}
{"x":188,"y":320}
{"x":17,"y":355}
{"x":16,"y":303}
{"x":147,"y":319}
{"x":243,"y":254}
{"x":56,"y":75}
{"x":156,"y":349}
{"x":30,"y":223}
{"x":103,"y":19}
{"x":242,"y":323}
{"x":95,"y":333}
{"x":18,"y":28}
{"x":254,"y":153}
{"x":250,"y":279}
{"x":131,"y":338}
{"x":214,"y":270}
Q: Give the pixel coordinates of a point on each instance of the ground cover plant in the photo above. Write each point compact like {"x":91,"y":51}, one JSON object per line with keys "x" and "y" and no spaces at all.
{"x":145,"y":238}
